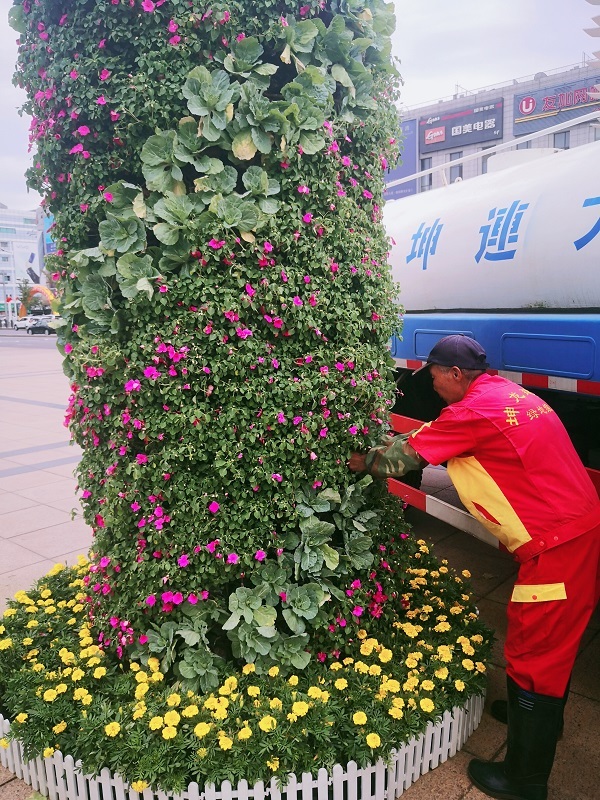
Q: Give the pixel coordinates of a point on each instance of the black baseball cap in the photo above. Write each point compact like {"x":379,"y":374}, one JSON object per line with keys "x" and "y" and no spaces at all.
{"x":457,"y":350}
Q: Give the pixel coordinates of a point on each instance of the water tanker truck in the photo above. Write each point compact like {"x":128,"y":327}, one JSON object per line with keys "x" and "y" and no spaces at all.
{"x":511,"y":258}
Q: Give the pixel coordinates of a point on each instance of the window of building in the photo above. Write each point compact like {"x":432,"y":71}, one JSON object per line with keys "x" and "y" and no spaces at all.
{"x":7,"y":230}
{"x":426,"y":180}
{"x":524,"y":145}
{"x":561,"y":140}
{"x":5,"y":258}
{"x":457,"y":171}
{"x":27,"y":221}
{"x":596,"y":129}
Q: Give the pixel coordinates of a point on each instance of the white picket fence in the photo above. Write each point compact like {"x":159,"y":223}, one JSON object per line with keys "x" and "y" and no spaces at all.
{"x":60,"y":778}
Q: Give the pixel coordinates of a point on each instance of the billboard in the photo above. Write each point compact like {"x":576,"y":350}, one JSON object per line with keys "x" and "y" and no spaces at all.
{"x":543,"y":108}
{"x":49,"y":243}
{"x":477,"y":123}
{"x":408,"y":166}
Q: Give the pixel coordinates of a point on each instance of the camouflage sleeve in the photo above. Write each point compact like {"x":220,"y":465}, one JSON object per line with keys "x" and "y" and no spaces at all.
{"x":393,"y":458}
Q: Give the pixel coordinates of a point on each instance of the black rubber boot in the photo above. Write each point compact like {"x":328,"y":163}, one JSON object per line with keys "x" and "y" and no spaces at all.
{"x":533,"y":726}
{"x":499,"y":710}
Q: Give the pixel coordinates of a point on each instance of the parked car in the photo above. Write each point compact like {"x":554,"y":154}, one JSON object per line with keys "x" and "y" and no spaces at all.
{"x":41,"y":325}
{"x":23,"y":322}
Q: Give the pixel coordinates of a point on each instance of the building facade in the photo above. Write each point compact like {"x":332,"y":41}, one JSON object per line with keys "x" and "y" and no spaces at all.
{"x":21,"y":255}
{"x":437,"y":134}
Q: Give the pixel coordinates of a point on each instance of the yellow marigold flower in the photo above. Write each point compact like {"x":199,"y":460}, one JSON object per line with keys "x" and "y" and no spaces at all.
{"x":348,"y":660}
{"x":273,"y":764}
{"x":324,"y":697}
{"x":366,"y":648}
{"x":27,"y":641}
{"x":341,"y":684}
{"x":77,"y":675}
{"x":211,"y":702}
{"x":157,"y":677}
{"x":361,"y":667}
{"x":139,"y":786}
{"x":385,"y":655}
{"x":441,"y":673}
{"x":5,"y":644}
{"x":100,"y":672}
{"x":141,"y":676}
{"x":443,"y":570}
{"x":276,"y":704}
{"x":375,"y":669}
{"x":244,"y":733}
{"x":459,"y":685}
{"x":468,"y":650}
{"x":10,"y":612}
{"x":359,"y":718}
{"x":50,"y":695}
{"x":32,"y":654}
{"x":4,"y":743}
{"x":442,"y":627}
{"x":335,"y":666}
{"x":172,"y":718}
{"x":112,"y":729}
{"x":362,"y":634}
{"x":314,"y":692}
{"x":48,"y":751}
{"x":225,"y":743}
{"x":140,"y":710}
{"x":248,"y":668}
{"x":21,"y":717}
{"x":173,"y":700}
{"x":274,"y":672}
{"x":141,"y":690}
{"x":373,"y":740}
{"x":392,"y":685}
{"x":468,"y":664}
{"x":465,"y":573}
{"x":456,"y":610}
{"x":411,"y":684}
{"x":480,"y":667}
{"x":190,"y":711}
{"x":153,"y":664}
{"x":201,"y":729}
{"x":411,"y":663}
{"x":444,"y":653}
{"x":169,"y":732}
{"x":45,"y":594}
{"x":427,"y":705}
{"x":33,"y":623}
{"x":292,"y":717}
{"x":201,"y":752}
{"x":477,"y":638}
{"x":398,"y":702}
{"x":300,"y":708}
{"x":396,"y":713}
{"x":428,"y":686}
{"x":293,"y":680}
{"x":267,"y":723}
{"x":86,"y":700}
{"x":134,"y":666}
{"x":412,"y":631}
{"x":253,"y":691}
{"x":38,"y":667}
{"x":60,"y":727}
{"x":156,"y":723}
{"x":61,"y":688}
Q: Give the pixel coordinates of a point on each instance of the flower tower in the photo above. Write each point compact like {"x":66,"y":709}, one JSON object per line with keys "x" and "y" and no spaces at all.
{"x":216,"y":175}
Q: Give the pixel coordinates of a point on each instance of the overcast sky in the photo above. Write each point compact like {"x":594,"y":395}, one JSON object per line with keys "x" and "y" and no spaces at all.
{"x":440,"y":44}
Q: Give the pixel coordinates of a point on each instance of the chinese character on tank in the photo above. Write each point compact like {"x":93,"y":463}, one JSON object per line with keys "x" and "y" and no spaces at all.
{"x":501,"y":232}
{"x":594,"y":231}
{"x":424,"y":242}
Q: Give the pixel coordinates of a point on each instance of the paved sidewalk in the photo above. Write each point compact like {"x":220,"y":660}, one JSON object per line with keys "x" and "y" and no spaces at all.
{"x":40,"y":523}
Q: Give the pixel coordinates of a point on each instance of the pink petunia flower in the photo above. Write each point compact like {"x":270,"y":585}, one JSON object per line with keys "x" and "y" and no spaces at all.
{"x":148,"y":6}
{"x":260,"y":555}
{"x":183,"y":560}
{"x":216,"y":244}
{"x":101,"y":101}
{"x":233,"y":558}
{"x":214,"y":507}
{"x":105,"y":74}
{"x":307,"y":218}
{"x":141,"y":458}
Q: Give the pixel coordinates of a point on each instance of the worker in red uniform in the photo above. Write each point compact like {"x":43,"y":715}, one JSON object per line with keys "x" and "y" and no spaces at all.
{"x":517,"y":472}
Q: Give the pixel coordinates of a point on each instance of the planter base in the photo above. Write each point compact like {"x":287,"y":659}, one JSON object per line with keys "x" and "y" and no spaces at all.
{"x":59,"y":777}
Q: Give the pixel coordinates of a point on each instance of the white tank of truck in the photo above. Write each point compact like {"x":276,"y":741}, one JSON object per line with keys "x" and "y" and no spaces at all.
{"x":527,"y":236}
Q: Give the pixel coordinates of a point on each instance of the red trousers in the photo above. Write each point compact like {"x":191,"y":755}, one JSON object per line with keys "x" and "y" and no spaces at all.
{"x":553,"y":599}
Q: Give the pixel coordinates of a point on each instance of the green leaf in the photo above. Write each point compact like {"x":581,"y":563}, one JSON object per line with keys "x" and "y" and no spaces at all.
{"x":330,"y":495}
{"x":265,"y":616}
{"x":165,"y":233}
{"x":331,"y":556}
{"x":262,"y":140}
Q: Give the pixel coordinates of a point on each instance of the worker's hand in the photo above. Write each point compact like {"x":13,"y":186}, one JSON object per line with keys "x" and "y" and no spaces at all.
{"x":357,"y":462}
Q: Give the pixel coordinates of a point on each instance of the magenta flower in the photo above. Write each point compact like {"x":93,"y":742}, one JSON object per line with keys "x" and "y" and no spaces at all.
{"x":213,"y":508}
{"x":174,"y":40}
{"x":105,"y":75}
{"x":267,"y":247}
{"x":114,"y":115}
{"x":173,"y":26}
{"x":353,"y":430}
{"x":281,"y":417}
{"x":216,"y":244}
{"x":163,"y":289}
{"x":260,"y":555}
{"x":101,"y":101}
{"x":277,"y":477}
{"x":297,"y":301}
{"x":183,"y":560}
{"x":303,"y":190}
{"x":250,"y":291}
{"x":192,"y":599}
{"x":152,"y":373}
{"x":108,"y":197}
{"x":233,"y":558}
{"x":68,"y":348}
{"x":77,"y":149}
{"x":357,"y":611}
{"x":151,"y":600}
{"x":243,"y":333}
{"x":73,"y":74}
{"x":133,"y":386}
{"x":307,"y":218}
{"x":141,"y":458}
{"x":148,"y":6}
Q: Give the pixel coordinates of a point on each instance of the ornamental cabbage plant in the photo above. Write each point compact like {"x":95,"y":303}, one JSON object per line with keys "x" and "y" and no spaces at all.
{"x":215,"y":173}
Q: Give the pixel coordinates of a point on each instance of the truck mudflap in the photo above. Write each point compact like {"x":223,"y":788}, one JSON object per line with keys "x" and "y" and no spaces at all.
{"x":437,"y":508}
